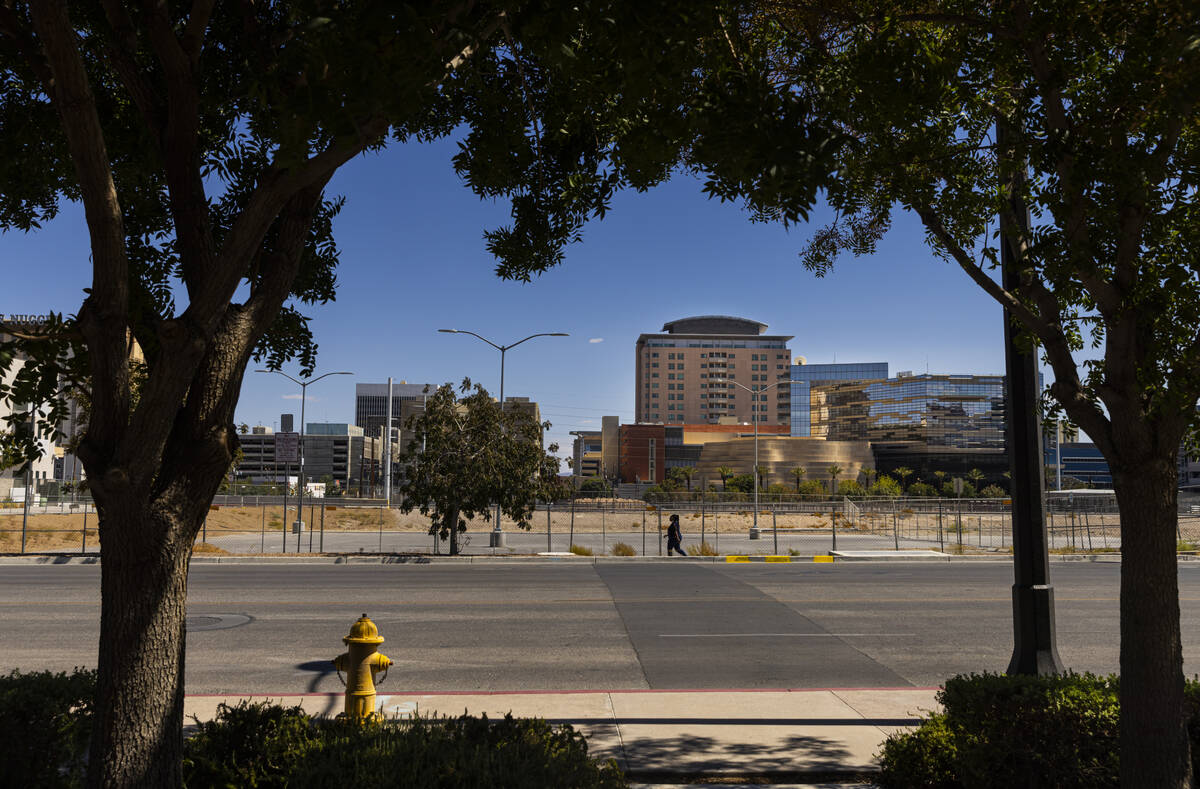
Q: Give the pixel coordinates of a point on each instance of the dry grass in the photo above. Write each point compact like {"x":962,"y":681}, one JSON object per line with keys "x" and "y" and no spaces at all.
{"x":623,"y":549}
{"x":580,"y":550}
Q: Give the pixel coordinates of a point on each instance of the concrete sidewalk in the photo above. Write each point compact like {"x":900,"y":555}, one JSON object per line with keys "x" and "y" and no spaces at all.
{"x":781,"y":735}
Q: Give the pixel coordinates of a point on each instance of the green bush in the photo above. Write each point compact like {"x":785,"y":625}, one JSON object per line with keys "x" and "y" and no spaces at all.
{"x":1052,"y":731}
{"x":922,"y":490}
{"x":920,"y":759}
{"x":1006,"y":731}
{"x":261,"y":745}
{"x":45,"y":725}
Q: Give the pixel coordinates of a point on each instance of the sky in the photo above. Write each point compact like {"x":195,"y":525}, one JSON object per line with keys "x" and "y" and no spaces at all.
{"x":413,"y":260}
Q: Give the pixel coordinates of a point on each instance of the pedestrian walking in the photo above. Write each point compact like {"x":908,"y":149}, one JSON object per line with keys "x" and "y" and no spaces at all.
{"x":674,"y":537}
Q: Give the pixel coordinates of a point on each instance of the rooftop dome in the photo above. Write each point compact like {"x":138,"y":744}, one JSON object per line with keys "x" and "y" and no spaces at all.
{"x":714,"y":324}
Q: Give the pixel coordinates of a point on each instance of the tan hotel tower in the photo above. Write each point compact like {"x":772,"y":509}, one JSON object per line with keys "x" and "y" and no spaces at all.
{"x":679,"y":373}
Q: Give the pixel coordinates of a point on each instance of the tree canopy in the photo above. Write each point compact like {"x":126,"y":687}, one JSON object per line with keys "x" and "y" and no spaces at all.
{"x":468,"y":454}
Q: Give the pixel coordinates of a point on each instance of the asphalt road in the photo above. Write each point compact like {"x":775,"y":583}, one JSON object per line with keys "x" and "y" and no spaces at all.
{"x":272,"y":628}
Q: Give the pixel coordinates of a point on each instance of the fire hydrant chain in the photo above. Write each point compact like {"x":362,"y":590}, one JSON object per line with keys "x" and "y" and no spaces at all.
{"x":361,"y":662}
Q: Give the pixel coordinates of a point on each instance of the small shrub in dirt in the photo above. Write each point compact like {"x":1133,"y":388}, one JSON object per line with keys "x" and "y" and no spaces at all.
{"x":264,"y":745}
{"x":623,"y":549}
{"x":45,"y":725}
{"x":703,"y":549}
{"x":580,"y":550}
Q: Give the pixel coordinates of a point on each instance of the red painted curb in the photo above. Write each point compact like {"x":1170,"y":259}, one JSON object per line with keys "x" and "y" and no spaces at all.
{"x":383,"y":692}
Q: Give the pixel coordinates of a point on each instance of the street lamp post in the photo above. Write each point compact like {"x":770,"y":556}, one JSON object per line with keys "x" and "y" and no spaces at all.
{"x":300,"y":488}
{"x":497,"y":537}
{"x":754,"y":532}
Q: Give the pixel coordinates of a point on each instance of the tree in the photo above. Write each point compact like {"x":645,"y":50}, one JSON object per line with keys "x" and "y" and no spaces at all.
{"x":903,"y":472}
{"x":868,"y":473}
{"x":798,"y":472}
{"x":468,"y":454}
{"x":726,"y":472}
{"x":688,"y":472}
{"x":833,"y":471}
{"x":976,"y":476}
{"x":199,"y":138}
{"x":761,"y":473}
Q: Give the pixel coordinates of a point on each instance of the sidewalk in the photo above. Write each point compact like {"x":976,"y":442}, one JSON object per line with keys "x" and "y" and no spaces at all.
{"x":781,"y":735}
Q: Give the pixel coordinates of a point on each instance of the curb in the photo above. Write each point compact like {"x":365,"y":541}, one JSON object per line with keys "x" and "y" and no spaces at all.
{"x":94,"y":559}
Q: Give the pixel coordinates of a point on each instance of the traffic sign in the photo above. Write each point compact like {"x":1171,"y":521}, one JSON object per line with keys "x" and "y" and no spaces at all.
{"x":287,"y":447}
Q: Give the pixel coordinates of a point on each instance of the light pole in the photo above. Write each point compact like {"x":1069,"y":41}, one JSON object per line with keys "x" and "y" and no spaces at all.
{"x":497,"y":538}
{"x":300,"y":487}
{"x":754,"y":532}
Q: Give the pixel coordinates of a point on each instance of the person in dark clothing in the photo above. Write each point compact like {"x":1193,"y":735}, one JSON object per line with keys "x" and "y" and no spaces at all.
{"x":674,"y":537}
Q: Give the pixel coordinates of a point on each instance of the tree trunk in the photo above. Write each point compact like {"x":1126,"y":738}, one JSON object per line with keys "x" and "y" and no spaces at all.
{"x":1155,"y":750}
{"x":137,"y":737}
{"x":452,"y":522}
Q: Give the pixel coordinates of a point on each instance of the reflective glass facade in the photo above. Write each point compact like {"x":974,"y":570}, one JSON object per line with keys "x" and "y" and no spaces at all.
{"x":803,"y":376}
{"x":959,"y":411}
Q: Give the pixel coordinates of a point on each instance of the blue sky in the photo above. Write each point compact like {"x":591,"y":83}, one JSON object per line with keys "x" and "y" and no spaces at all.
{"x":413,"y":261}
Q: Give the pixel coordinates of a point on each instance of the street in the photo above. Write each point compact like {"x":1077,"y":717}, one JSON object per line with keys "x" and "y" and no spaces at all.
{"x":272,"y":628}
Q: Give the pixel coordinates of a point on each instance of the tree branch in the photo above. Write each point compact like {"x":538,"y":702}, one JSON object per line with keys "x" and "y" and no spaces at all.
{"x":179,"y":141}
{"x":104,"y":316}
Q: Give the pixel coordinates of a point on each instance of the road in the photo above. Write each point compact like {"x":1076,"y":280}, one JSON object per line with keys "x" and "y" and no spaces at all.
{"x":272,"y":628}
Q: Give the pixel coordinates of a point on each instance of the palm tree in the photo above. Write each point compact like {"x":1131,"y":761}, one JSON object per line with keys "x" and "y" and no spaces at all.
{"x":762,"y":474}
{"x":726,"y":472}
{"x":941,"y":476}
{"x":688,"y":473}
{"x":976,"y":476}
{"x":869,"y":473}
{"x":903,"y":472}
{"x":834,"y":470}
{"x":798,"y":472}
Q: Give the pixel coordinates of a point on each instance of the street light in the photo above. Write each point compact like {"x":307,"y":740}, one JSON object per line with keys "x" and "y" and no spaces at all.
{"x":497,"y":538}
{"x":303,"y":399}
{"x":754,"y":532}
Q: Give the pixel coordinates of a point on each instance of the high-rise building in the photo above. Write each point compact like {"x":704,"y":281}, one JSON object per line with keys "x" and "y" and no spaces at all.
{"x":688,"y":374}
{"x":927,"y":423}
{"x":370,"y":403}
{"x":804,"y":376}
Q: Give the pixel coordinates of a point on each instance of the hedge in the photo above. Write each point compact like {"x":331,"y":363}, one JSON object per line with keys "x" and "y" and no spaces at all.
{"x":1003,"y":731}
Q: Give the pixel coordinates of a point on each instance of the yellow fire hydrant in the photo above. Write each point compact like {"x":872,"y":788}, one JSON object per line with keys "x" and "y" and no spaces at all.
{"x":361,"y":662}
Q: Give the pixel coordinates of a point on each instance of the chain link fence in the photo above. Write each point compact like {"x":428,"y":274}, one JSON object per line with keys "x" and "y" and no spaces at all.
{"x":711,"y":523}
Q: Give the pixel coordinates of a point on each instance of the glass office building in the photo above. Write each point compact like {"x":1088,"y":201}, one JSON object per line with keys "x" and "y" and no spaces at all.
{"x":805,"y":376}
{"x":957,"y":411}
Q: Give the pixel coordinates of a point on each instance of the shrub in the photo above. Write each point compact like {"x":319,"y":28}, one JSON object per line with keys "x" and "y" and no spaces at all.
{"x":268,"y":746}
{"x":993,"y":492}
{"x":921,"y":490}
{"x":810,"y":487}
{"x":579,"y":550}
{"x":1005,"y":731}
{"x":703,"y":549}
{"x":1054,"y":731}
{"x":920,"y":759}
{"x":623,"y":549}
{"x":968,"y":490}
{"x":45,"y":725}
{"x":885,"y":486}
